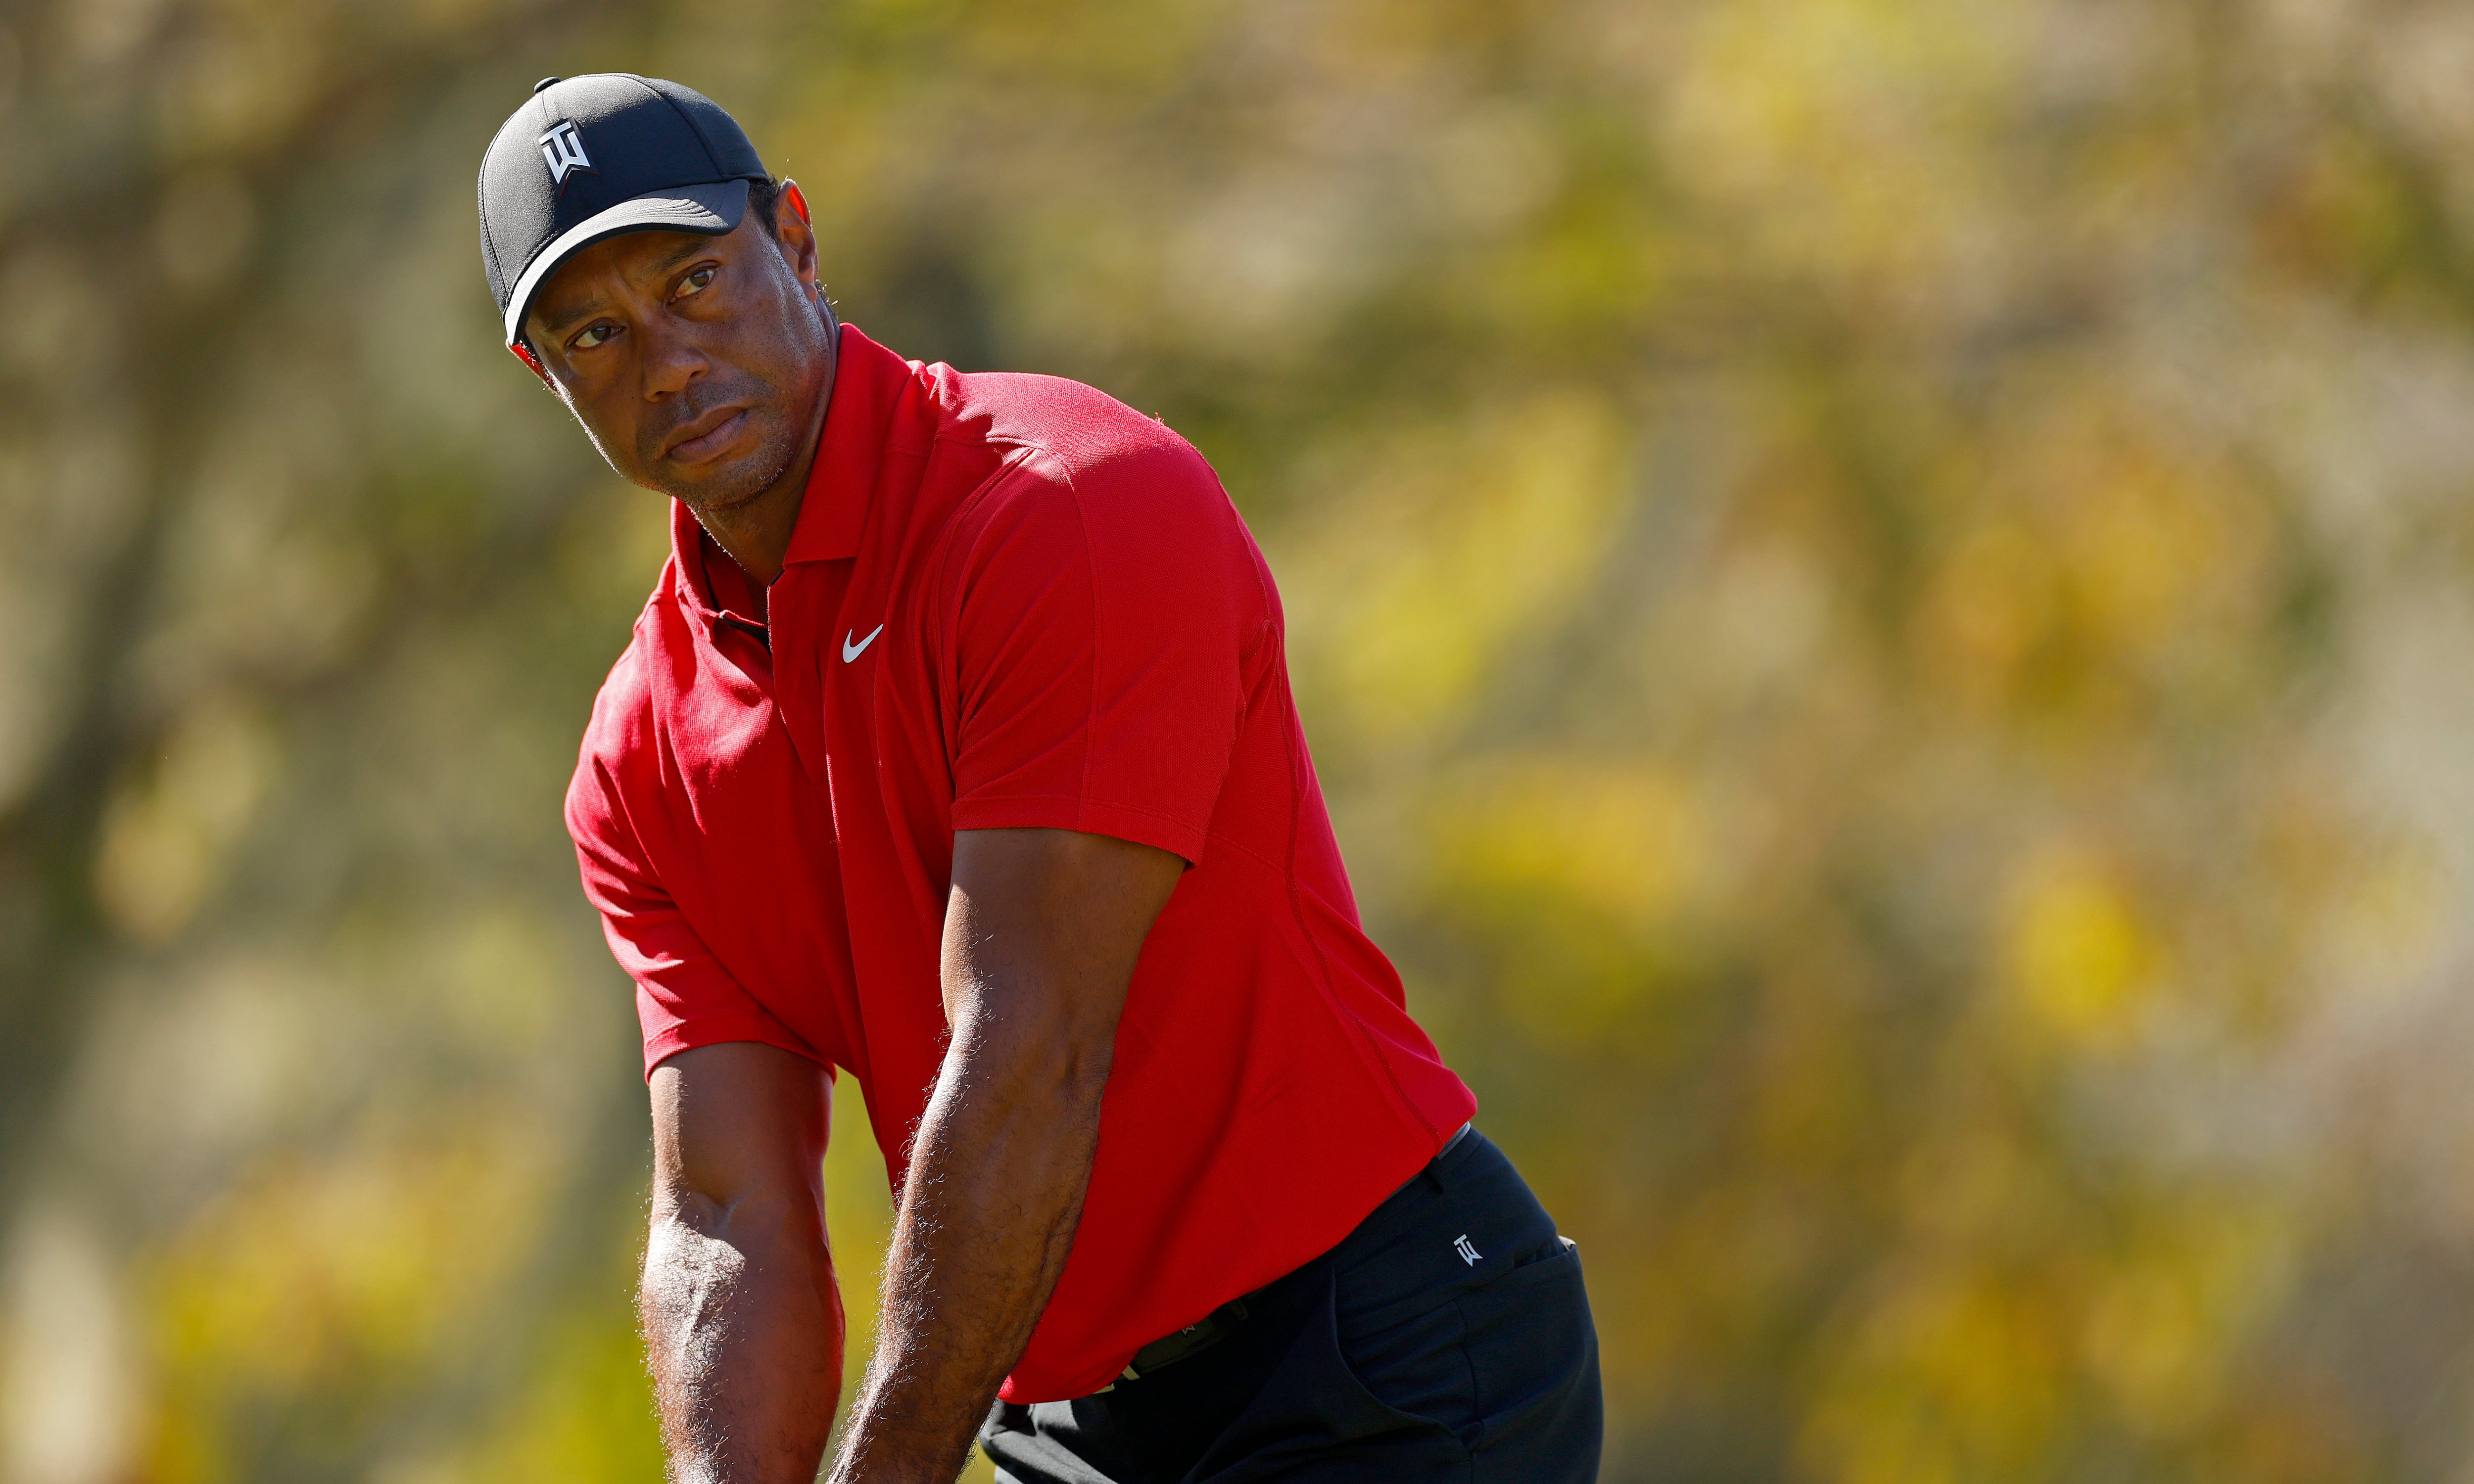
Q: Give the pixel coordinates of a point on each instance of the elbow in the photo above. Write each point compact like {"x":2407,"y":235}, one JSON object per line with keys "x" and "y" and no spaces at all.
{"x":1043,"y":1058}
{"x":1080,"y":1070}
{"x":1072,"y":1069}
{"x":1077,"y":1053}
{"x":757,"y":1217}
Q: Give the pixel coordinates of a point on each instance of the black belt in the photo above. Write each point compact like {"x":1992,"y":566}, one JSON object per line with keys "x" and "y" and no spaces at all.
{"x":1217,"y":1325}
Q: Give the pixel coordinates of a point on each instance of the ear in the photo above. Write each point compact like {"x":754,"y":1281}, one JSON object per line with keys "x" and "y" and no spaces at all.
{"x":798,"y":242}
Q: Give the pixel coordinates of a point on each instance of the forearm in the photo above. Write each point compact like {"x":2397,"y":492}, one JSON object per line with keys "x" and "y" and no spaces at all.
{"x":988,"y":1210}
{"x":743,"y":1329}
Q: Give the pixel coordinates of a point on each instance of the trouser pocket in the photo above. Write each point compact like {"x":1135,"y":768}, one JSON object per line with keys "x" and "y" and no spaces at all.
{"x":1485,"y":1360}
{"x":1533,"y":1358}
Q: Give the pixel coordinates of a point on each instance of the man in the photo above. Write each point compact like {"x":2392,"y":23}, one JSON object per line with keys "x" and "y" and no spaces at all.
{"x":955,"y":748}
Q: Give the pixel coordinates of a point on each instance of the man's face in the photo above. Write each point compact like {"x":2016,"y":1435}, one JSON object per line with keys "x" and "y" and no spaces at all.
{"x":695,"y":363}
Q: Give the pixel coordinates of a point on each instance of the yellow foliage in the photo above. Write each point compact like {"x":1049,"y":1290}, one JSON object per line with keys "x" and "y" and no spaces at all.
{"x":166,"y":834}
{"x":2081,"y":964}
{"x":1622,"y":839}
{"x":1457,"y":541}
{"x":308,"y":1277}
{"x":1993,"y":601}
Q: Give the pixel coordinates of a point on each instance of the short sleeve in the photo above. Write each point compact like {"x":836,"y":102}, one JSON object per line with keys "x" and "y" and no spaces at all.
{"x":1103,"y":620}
{"x":684,"y":996}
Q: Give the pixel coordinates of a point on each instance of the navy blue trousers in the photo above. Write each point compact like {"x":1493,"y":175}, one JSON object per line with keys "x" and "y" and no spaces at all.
{"x":1394,"y":1358}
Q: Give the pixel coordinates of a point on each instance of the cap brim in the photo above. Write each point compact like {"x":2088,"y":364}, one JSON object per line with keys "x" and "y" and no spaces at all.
{"x":712,"y":209}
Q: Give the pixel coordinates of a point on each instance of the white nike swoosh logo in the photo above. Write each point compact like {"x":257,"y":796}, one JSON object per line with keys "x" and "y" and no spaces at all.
{"x":851,"y":651}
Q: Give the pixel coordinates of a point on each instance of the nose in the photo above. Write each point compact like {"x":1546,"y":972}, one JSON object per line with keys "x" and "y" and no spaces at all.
{"x":671,"y":359}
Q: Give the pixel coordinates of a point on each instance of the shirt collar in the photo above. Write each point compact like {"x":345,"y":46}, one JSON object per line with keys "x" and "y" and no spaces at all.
{"x":868,"y":382}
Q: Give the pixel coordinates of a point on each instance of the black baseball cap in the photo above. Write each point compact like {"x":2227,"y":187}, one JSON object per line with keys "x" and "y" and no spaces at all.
{"x":592,"y":156}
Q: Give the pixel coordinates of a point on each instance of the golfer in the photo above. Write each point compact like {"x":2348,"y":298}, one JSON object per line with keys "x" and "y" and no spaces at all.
{"x":955,"y":749}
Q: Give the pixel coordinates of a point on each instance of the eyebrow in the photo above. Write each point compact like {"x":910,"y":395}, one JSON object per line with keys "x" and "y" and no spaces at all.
{"x":554,"y":321}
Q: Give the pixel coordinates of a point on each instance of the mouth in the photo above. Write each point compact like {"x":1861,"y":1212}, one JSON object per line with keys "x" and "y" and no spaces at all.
{"x":708,"y":436}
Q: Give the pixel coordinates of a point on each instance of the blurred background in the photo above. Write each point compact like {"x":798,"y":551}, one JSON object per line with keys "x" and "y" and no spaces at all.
{"x":1884,"y":590}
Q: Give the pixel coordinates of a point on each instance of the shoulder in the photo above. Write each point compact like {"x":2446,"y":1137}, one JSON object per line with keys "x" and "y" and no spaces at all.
{"x":1080,"y":457}
{"x":1080,"y":424}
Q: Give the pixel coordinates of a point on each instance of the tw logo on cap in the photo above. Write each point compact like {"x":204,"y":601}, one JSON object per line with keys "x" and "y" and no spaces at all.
{"x":562,"y":152}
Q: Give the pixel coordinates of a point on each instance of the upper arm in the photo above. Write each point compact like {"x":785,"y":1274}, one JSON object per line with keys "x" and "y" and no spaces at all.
{"x":736,"y":1122}
{"x":1042,"y":929}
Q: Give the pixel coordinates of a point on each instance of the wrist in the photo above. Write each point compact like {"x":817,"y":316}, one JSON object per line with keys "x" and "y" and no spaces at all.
{"x":876,"y":1449}
{"x":887,"y":1471}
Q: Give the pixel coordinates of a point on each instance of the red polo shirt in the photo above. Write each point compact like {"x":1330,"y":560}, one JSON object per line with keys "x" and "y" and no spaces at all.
{"x":1012,"y":601}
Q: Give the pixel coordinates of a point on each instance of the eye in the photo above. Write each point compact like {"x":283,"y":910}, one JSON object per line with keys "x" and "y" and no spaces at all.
{"x":592,"y":335}
{"x":695,"y":280}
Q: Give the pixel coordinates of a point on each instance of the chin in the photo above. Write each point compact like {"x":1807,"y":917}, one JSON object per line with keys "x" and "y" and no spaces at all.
{"x":726,"y":484}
